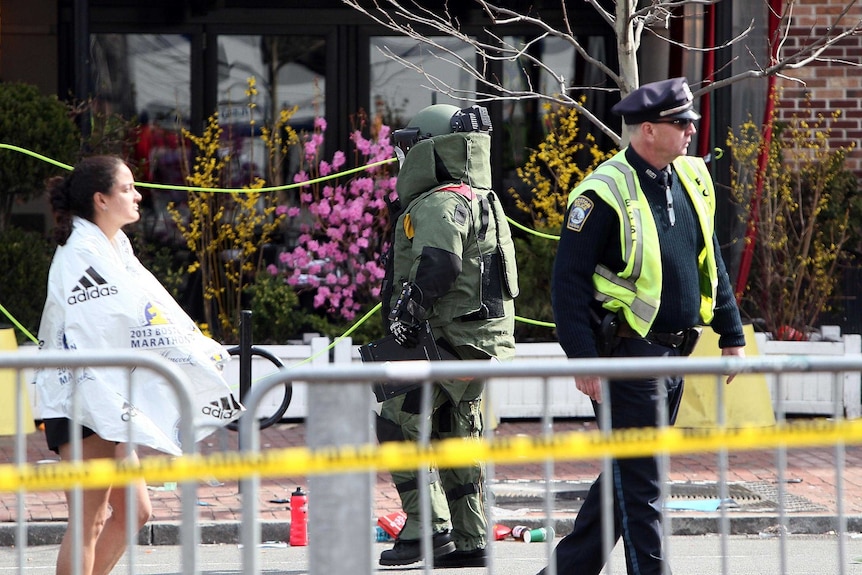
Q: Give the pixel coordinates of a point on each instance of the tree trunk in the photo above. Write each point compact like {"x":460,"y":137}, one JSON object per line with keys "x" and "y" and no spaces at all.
{"x":628,"y":39}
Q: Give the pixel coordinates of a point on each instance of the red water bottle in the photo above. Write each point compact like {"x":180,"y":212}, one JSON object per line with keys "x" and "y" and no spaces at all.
{"x":298,"y":518}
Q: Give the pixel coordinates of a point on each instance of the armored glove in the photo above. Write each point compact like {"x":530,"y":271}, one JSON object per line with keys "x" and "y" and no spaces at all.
{"x":406,"y":335}
{"x":407,"y":316}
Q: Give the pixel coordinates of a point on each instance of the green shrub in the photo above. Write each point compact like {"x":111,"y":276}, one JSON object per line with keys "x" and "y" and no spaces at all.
{"x":39,"y":123}
{"x":25,"y":258}
{"x":167,"y":263}
{"x":806,"y":205}
{"x":276,"y":314}
{"x":535,"y":256}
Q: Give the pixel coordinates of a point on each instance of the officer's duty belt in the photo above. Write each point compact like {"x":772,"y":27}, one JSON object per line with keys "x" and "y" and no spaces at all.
{"x":669,"y":339}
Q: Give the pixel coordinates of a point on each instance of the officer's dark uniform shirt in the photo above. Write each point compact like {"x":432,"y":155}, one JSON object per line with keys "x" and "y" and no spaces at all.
{"x":598,"y":242}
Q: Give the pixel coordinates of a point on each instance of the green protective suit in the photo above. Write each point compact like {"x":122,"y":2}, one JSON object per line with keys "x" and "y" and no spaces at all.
{"x":454,"y":243}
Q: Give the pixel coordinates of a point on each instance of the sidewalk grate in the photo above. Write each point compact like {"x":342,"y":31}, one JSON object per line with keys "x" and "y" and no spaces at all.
{"x":792,"y":503}
{"x":742,"y":496}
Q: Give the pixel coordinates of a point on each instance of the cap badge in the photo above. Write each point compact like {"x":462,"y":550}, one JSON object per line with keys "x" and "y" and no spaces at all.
{"x":687,"y":91}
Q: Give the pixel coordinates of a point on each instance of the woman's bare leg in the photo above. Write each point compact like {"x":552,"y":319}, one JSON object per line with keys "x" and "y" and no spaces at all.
{"x":103,"y":507}
{"x":112,"y":541}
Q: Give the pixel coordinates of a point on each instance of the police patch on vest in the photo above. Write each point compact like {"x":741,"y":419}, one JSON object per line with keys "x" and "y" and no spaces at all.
{"x":579,"y":213}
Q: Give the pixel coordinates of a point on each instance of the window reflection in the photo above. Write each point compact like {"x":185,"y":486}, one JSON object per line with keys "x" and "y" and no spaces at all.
{"x":147,"y":77}
{"x":524,"y":120}
{"x":288,"y":71}
{"x":398,"y":92}
{"x":133,"y":73}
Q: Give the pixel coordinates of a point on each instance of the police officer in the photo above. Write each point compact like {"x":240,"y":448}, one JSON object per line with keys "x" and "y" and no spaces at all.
{"x":454,"y":268}
{"x":637,"y":270}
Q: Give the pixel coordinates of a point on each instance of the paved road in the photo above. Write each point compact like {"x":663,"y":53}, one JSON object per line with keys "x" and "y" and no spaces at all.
{"x":701,"y":555}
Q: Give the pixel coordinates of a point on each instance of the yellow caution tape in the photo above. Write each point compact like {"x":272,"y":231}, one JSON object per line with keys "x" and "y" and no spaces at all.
{"x":408,"y":455}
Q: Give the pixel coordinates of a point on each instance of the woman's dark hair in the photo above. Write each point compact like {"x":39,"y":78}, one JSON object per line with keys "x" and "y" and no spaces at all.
{"x":72,"y":195}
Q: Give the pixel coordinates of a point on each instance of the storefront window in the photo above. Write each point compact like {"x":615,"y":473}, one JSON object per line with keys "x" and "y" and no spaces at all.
{"x":288,"y":71}
{"x":523,"y":120}
{"x":399,"y":92}
{"x":147,"y":77}
{"x":142,"y":75}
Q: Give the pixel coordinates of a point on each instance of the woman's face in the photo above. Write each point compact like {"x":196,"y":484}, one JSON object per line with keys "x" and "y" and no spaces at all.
{"x":119,"y":206}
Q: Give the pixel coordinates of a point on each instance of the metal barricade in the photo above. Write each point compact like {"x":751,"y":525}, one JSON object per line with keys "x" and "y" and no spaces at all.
{"x":662,"y":441}
{"x":76,"y":361}
{"x":340,"y":450}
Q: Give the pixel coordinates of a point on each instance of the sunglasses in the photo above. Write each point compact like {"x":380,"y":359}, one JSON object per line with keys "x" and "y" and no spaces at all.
{"x":680,"y":122}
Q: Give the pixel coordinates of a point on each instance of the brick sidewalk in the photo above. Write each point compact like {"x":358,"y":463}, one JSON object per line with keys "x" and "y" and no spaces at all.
{"x":810,"y":477}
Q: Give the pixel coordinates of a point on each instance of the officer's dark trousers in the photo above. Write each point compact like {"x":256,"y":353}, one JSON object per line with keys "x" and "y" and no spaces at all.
{"x":636,"y":484}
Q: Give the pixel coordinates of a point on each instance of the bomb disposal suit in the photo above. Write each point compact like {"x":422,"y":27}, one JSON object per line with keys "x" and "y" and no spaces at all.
{"x":454,"y":266}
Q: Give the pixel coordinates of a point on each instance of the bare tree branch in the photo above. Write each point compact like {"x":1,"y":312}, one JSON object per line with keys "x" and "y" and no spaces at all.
{"x":804,"y":56}
{"x":607,"y":16}
{"x":628,"y":21}
{"x":735,"y":40}
{"x":502,"y":16}
{"x":669,"y":6}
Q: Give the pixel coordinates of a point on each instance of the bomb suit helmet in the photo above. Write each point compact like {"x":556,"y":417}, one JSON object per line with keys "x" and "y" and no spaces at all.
{"x":433,"y":120}
{"x":440,"y":119}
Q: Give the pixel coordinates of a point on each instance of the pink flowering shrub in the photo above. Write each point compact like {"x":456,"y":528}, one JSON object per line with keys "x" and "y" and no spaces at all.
{"x":342,"y":223}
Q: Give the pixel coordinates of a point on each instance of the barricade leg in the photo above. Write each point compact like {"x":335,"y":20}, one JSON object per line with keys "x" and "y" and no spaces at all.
{"x":340,"y":538}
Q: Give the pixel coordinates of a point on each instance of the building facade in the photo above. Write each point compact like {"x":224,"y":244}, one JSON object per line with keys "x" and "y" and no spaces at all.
{"x":176,"y":62}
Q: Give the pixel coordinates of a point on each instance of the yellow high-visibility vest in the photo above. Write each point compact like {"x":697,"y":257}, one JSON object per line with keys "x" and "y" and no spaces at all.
{"x":635,"y":291}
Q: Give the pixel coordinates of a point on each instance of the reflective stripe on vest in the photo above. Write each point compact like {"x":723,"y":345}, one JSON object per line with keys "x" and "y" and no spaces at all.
{"x":697,"y":181}
{"x":635,"y":291}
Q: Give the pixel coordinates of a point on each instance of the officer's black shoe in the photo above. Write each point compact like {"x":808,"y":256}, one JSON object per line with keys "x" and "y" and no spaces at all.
{"x":407,"y":551}
{"x":473,"y":558}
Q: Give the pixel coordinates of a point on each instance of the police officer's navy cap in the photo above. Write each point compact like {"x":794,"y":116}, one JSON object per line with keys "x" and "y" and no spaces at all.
{"x":657,"y":101}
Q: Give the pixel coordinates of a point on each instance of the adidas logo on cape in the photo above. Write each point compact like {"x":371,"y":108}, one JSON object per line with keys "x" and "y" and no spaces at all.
{"x":91,"y":286}
{"x":225,"y":408}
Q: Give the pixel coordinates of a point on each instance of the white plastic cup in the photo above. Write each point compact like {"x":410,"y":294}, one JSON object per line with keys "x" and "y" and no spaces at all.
{"x":537,"y":535}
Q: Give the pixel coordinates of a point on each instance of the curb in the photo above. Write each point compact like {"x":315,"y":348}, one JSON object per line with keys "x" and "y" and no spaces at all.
{"x":228,"y":532}
{"x":765,"y":526}
{"x":153,"y":533}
